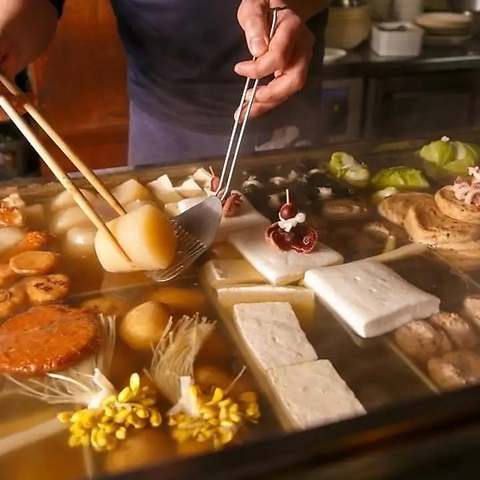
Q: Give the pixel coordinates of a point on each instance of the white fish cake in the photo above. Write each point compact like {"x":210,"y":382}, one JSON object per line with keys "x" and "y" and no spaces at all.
{"x":301,"y":299}
{"x":273,"y":334}
{"x":312,"y":394}
{"x":370,"y":297}
{"x":222,"y":273}
{"x":278,"y":267}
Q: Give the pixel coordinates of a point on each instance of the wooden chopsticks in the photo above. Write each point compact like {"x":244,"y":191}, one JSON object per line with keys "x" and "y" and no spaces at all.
{"x":61,"y":176}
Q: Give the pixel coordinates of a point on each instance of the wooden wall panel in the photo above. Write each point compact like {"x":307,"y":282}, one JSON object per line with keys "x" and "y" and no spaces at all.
{"x":81,"y":84}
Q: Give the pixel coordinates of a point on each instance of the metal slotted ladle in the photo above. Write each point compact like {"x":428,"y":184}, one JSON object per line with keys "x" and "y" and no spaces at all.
{"x":197,"y":227}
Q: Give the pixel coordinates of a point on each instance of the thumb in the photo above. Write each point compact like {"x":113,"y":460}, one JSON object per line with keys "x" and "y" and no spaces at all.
{"x":253,"y":20}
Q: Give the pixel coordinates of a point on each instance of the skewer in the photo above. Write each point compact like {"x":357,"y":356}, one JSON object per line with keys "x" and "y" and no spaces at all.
{"x":67,"y":151}
{"x":235,"y":143}
{"x":61,"y":176}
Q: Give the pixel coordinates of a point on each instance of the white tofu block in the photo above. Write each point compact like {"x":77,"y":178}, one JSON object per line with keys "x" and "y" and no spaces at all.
{"x":280,"y":268}
{"x":190,"y":188}
{"x":312,"y":394}
{"x":370,"y":297}
{"x":164,"y":190}
{"x":273,"y":334}
{"x":301,"y":299}
{"x":222,"y":273}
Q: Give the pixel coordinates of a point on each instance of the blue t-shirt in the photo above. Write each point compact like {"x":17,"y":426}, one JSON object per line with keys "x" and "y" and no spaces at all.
{"x":181,"y":55}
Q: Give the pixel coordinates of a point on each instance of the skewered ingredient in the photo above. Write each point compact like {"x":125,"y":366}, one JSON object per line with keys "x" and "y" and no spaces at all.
{"x":344,"y":209}
{"x":143,"y":326}
{"x":395,"y":207}
{"x":291,"y":233}
{"x":344,"y":167}
{"x":272,"y":333}
{"x":12,"y":300}
{"x":47,"y":289}
{"x":401,"y":178}
{"x":370,"y":297}
{"x":312,"y":394}
{"x":146,"y":236}
{"x":104,"y":426}
{"x":421,"y":340}
{"x":444,"y":158}
{"x":47,"y":339}
{"x":280,"y":267}
{"x":34,"y":263}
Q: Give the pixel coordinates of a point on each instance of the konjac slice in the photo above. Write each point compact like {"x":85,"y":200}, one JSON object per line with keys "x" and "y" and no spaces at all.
{"x":145,"y":235}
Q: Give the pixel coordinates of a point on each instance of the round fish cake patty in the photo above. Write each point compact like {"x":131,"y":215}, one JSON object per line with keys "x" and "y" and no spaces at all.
{"x":454,"y":208}
{"x":395,"y":207}
{"x":455,"y":370}
{"x":48,"y":339}
{"x":460,"y":331}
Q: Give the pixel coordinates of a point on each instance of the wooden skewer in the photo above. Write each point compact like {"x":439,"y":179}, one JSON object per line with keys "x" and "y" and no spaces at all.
{"x":67,"y":151}
{"x":61,"y":176}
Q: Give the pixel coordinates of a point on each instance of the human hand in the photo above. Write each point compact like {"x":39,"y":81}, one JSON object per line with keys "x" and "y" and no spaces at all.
{"x":286,"y":55}
{"x":9,"y":65}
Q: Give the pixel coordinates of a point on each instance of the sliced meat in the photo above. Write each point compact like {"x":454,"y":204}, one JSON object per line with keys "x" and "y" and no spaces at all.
{"x":455,"y":208}
{"x":427,"y":225}
{"x":395,"y":207}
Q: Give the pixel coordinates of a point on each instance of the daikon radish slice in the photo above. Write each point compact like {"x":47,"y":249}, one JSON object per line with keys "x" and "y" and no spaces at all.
{"x":190,"y":188}
{"x":9,"y":237}
{"x":130,"y":191}
{"x":35,"y":216}
{"x":79,"y":241}
{"x":104,"y":210}
{"x":64,"y":200}
{"x":172,"y":210}
{"x":203,"y":178}
{"x":146,"y":236}
{"x":164,"y":190}
{"x":64,"y":220}
{"x":130,"y":207}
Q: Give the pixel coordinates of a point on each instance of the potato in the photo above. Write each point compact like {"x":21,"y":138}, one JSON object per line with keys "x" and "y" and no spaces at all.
{"x":142,"y":327}
{"x":79,"y":241}
{"x":146,"y":236}
{"x":140,"y":449}
{"x":63,"y":220}
{"x":180,"y":300}
{"x":130,"y":191}
{"x":65,"y":200}
{"x":9,"y":237}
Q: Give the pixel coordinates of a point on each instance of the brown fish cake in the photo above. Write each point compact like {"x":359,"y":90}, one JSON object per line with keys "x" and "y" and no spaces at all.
{"x":395,"y":207}
{"x":47,"y":339}
{"x":454,"y":208}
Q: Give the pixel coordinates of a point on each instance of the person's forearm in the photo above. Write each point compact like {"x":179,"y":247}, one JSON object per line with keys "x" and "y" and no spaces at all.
{"x":29,"y":26}
{"x":306,"y":9}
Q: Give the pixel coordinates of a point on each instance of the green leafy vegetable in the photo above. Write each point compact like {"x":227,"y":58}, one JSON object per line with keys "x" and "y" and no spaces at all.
{"x":401,"y":178}
{"x":344,"y":167}
{"x":444,"y":158}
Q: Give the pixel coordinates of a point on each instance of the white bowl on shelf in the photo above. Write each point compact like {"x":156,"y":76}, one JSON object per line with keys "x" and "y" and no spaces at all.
{"x":396,"y":39}
{"x":445,"y":23}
